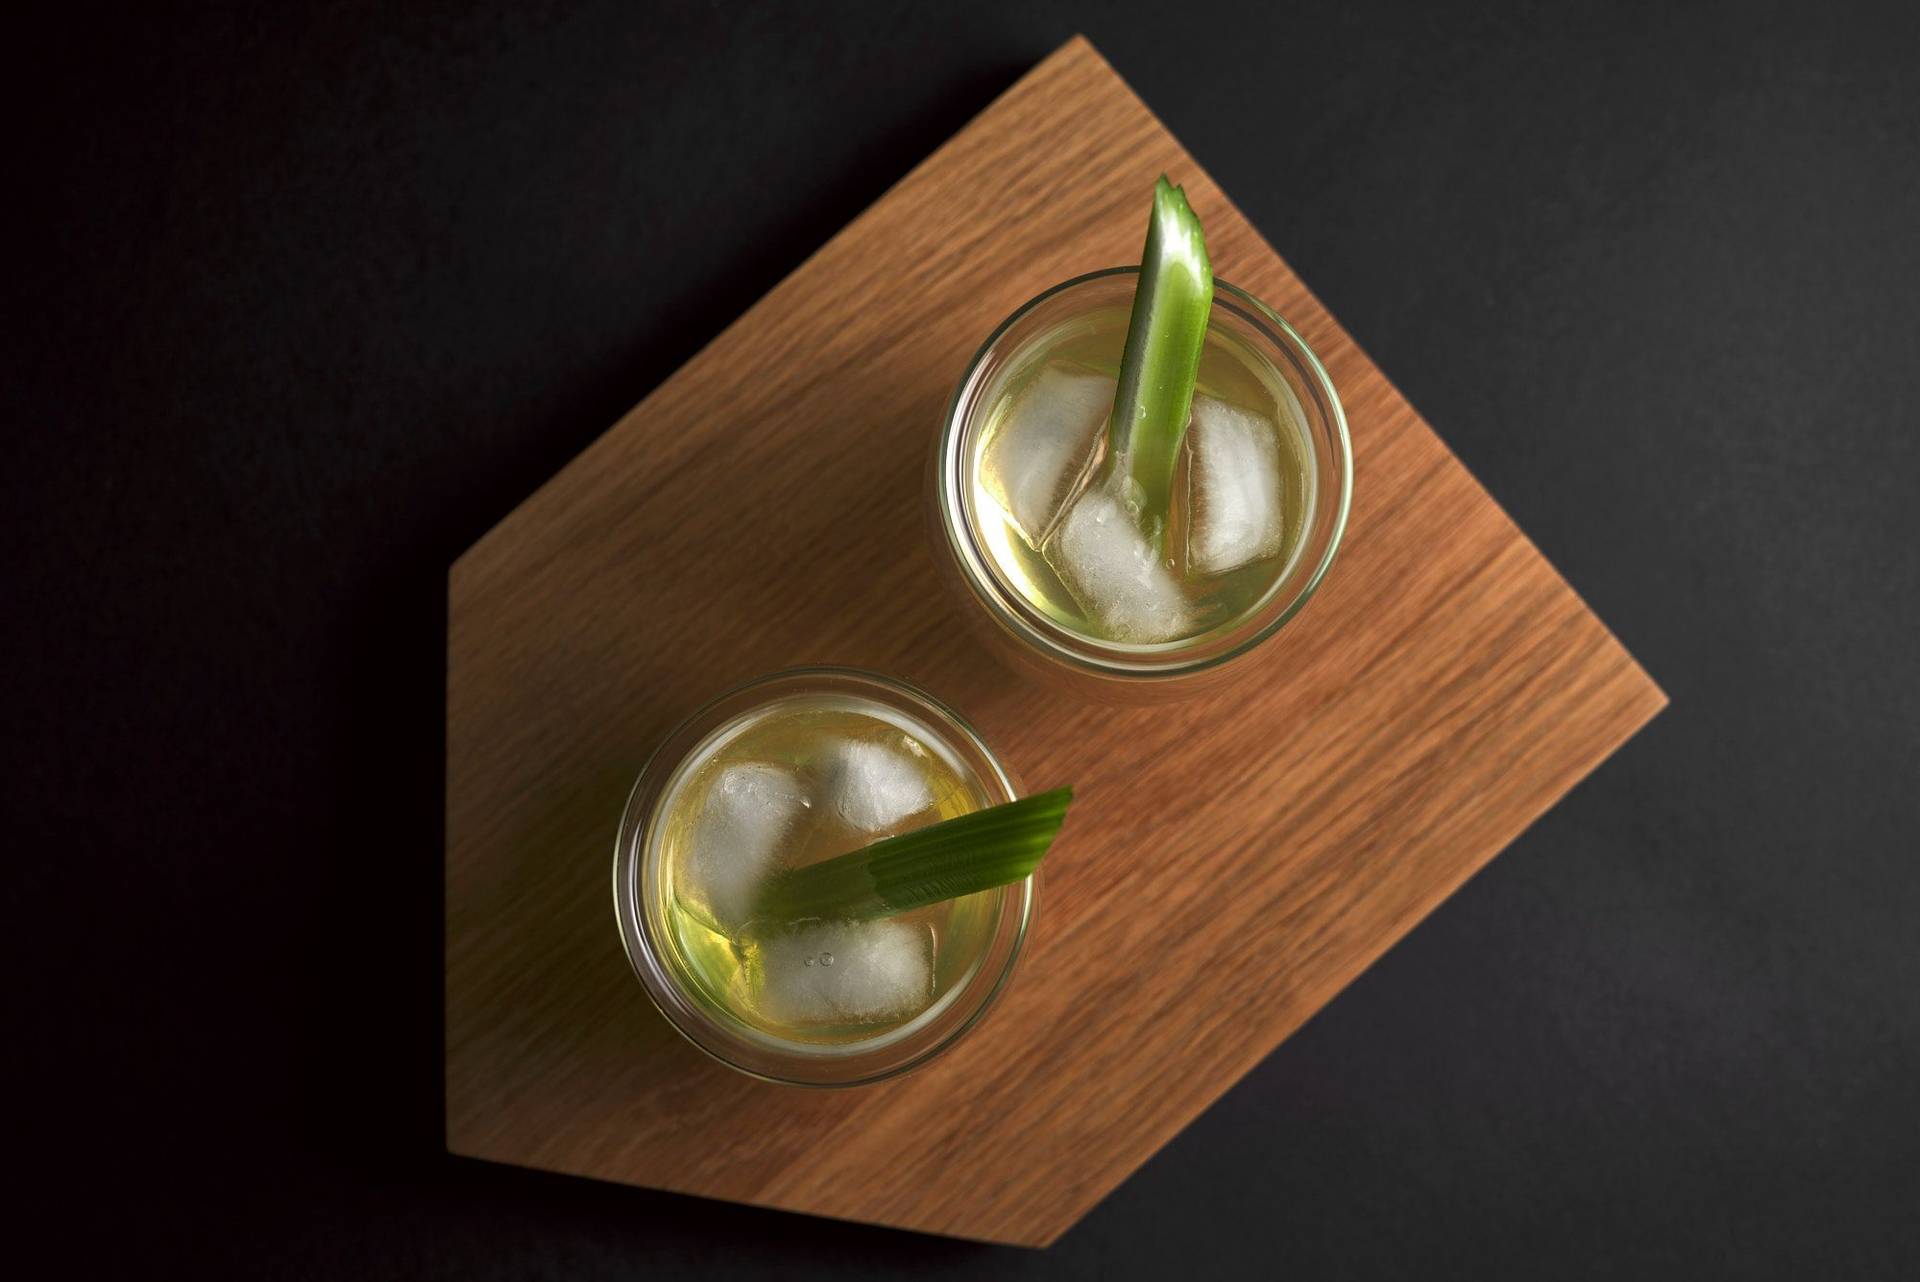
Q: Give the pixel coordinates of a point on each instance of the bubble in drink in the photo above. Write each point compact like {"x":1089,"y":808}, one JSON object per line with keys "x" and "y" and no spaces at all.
{"x":1045,"y":445}
{"x":872,"y":785}
{"x":1234,"y":512}
{"x":1114,"y":573}
{"x":845,"y":972}
{"x":751,"y":809}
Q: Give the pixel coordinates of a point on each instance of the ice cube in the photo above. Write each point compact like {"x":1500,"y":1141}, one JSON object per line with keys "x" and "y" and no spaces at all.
{"x":846,"y":972}
{"x":751,"y":808}
{"x":1045,"y":447}
{"x":872,"y":785}
{"x":1114,"y":573}
{"x":1233,"y":495}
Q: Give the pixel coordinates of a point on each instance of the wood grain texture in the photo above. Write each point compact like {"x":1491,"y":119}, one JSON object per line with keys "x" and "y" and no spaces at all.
{"x":762,"y":509}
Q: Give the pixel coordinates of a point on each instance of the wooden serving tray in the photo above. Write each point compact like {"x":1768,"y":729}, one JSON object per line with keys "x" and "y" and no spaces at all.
{"x":762,"y":509}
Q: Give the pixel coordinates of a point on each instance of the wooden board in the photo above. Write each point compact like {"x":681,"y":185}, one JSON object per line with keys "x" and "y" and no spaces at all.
{"x":762,"y":509}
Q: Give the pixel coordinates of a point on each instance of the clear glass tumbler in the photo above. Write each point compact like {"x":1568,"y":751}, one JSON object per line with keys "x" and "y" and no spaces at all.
{"x":1039,"y":640}
{"x":662,"y":950}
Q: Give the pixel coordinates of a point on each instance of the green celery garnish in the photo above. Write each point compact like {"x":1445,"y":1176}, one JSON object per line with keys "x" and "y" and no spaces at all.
{"x":977,"y":851}
{"x":1165,"y":333}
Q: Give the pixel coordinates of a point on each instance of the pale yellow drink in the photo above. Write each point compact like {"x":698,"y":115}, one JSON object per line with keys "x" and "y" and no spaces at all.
{"x":1082,"y":552}
{"x":794,"y":782}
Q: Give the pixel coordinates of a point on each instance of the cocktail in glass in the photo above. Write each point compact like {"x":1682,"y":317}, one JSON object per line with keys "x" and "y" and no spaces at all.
{"x":777,"y":775}
{"x":1047,"y":547}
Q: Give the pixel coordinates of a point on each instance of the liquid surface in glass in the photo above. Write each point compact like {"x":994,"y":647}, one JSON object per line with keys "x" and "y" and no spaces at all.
{"x":798,"y":781}
{"x":1072,"y":540}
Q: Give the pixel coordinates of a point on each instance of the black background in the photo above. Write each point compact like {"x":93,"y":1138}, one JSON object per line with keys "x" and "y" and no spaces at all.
{"x":303,"y":298}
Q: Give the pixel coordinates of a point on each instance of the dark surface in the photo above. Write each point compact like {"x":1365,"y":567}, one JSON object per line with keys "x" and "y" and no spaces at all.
{"x":304,"y":300}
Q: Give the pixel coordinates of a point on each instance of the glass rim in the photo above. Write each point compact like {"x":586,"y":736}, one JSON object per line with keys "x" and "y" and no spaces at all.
{"x":765,"y":1058}
{"x":1054,"y":640}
